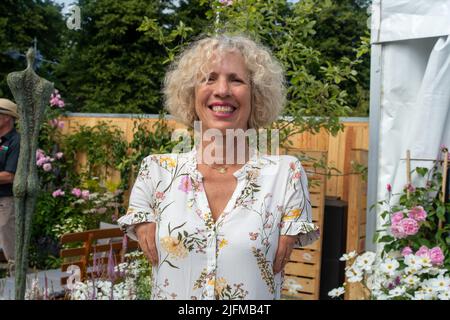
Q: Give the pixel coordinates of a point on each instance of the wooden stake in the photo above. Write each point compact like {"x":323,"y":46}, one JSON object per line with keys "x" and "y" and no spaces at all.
{"x":408,"y":172}
{"x":444,"y":181}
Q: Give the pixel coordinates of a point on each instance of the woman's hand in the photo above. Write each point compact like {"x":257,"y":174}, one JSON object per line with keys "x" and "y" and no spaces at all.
{"x":145,"y":233}
{"x":285,"y":246}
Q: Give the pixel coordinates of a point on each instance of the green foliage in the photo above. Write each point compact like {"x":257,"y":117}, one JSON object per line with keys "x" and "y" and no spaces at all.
{"x":20,"y":22}
{"x":340,"y":27}
{"x":116,"y":62}
{"x":146,"y":141}
{"x":108,"y":65}
{"x":103,"y":145}
{"x":435,"y":230}
{"x":316,"y":83}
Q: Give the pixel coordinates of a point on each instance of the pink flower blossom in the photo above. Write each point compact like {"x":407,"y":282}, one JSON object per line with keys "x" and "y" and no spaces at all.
{"x":185,"y":184}
{"x":253,"y":235}
{"x":41,"y":161}
{"x":53,"y":123}
{"x":47,"y":167}
{"x":226,"y":2}
{"x":59,"y":155}
{"x":55,"y":100}
{"x":85,"y":194}
{"x":297,"y":175}
{"x":398,"y":231}
{"x":417,"y":213}
{"x":436,"y":256}
{"x":40,"y":154}
{"x":423,"y":252}
{"x":159,"y":195}
{"x":292,"y":166}
{"x":396,"y":217}
{"x":76,"y":192}
{"x":410,"y":226}
{"x":389,"y":187}
{"x":410,"y":187}
{"x":405,"y":227}
{"x":406,"y":251}
{"x":57,"y":193}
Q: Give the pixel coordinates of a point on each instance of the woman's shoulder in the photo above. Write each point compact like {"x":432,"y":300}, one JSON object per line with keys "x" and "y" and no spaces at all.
{"x":279,"y":166}
{"x":284,"y":160}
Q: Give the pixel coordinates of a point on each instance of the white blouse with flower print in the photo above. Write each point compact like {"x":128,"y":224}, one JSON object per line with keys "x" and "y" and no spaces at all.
{"x":233,"y":257}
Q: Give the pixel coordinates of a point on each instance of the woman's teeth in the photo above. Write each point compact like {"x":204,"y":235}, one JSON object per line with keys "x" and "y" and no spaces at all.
{"x":226,"y":109}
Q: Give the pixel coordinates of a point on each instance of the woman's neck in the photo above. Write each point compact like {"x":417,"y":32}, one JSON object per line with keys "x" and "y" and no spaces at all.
{"x":227,"y":153}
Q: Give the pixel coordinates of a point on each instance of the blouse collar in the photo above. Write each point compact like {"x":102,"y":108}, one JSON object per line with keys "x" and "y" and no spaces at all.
{"x":191,"y":165}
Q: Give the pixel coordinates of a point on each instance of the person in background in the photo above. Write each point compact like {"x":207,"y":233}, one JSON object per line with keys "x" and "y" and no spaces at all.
{"x":9,"y":155}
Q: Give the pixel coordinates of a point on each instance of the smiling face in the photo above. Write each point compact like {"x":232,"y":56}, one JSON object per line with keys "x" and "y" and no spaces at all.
{"x":223,"y":98}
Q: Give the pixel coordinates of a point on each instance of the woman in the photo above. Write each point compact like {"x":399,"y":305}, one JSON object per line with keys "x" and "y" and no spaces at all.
{"x":214,"y":229}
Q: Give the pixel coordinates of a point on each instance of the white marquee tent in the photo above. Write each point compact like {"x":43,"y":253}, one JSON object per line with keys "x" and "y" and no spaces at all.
{"x":410,"y":93}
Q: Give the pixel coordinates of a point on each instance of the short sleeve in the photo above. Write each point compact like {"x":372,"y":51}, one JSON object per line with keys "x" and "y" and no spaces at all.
{"x":296,"y":217}
{"x":12,"y":156}
{"x":140,"y":207}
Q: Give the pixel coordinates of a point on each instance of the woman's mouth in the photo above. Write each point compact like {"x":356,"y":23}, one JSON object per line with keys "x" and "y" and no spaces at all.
{"x":222,"y":111}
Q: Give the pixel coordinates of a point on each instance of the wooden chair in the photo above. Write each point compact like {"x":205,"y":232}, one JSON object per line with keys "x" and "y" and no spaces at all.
{"x":85,"y":244}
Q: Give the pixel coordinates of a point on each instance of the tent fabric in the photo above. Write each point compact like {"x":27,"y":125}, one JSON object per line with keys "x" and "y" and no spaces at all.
{"x":413,"y":90}
{"x":411,"y":19}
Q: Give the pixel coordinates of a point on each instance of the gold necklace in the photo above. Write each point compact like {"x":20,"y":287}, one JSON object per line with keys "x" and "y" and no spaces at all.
{"x":221,"y":170}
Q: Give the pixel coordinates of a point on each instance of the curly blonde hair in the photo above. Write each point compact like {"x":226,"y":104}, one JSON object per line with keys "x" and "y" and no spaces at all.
{"x":266,"y":74}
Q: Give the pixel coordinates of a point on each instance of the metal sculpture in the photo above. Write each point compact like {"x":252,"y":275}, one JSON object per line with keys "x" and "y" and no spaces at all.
{"x":32,"y":94}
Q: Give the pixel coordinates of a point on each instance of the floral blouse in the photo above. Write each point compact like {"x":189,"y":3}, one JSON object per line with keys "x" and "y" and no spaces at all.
{"x":233,"y":257}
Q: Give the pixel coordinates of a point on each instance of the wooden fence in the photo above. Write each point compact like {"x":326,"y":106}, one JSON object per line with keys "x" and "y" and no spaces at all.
{"x":354,"y":137}
{"x":347,"y":147}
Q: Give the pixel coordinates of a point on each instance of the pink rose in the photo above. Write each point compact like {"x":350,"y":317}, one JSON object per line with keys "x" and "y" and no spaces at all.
{"x":41,"y":161}
{"x":39,"y":154}
{"x":417,"y":213}
{"x":410,"y":226}
{"x":436,"y":256}
{"x":405,"y":227}
{"x":59,"y":155}
{"x":57,"y":193}
{"x":398,"y":231}
{"x":396,"y":217}
{"x":76,"y":192}
{"x":406,"y":251}
{"x":389,"y":187}
{"x":423,"y":252}
{"x":47,"y":167}
{"x":410,"y":187}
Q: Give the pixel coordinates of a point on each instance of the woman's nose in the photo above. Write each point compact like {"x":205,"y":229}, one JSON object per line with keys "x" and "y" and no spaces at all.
{"x":222,"y":88}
